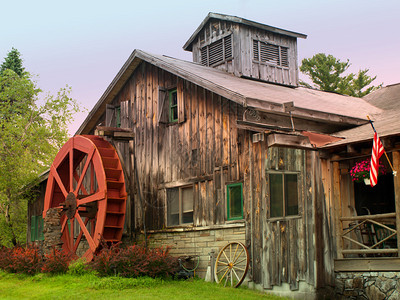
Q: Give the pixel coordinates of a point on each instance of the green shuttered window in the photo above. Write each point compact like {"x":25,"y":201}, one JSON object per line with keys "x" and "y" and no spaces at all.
{"x":235,"y":201}
{"x":37,"y":228}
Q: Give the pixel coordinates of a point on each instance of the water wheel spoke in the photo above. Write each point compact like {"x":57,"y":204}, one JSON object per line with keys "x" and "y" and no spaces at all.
{"x":82,"y":188}
{"x":84,"y":170}
{"x":89,"y":238}
{"x":63,"y":224}
{"x":56,"y":176}
{"x":92,"y":198}
{"x":71,"y":234}
{"x":79,"y":237}
{"x":71,"y":169}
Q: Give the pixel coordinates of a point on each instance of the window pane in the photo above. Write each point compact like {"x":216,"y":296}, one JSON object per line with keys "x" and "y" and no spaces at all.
{"x":291,"y":197}
{"x":174,"y":98}
{"x":235,"y":201}
{"x":174,"y":113}
{"x":173,"y":207}
{"x":187,"y":199}
{"x":187,"y":217}
{"x":276,"y":195}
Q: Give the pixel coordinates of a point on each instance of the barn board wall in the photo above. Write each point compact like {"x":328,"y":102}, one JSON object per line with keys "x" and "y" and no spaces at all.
{"x":201,"y":149}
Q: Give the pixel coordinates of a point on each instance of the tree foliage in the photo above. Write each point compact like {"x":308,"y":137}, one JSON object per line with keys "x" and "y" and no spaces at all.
{"x":30,"y":136}
{"x":327,"y":74}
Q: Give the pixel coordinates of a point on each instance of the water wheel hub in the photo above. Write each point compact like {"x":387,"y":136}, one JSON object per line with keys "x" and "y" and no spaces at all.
{"x":70,"y":205}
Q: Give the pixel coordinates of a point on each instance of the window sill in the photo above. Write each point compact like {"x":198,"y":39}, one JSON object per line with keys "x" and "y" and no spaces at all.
{"x":276,"y":219}
{"x":185,"y":228}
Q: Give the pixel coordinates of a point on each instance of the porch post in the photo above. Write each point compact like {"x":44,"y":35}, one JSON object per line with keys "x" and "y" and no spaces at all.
{"x":337,"y":208}
{"x":396,"y":181}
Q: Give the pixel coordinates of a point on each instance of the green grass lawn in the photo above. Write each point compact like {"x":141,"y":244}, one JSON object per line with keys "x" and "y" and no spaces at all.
{"x":41,"y":286}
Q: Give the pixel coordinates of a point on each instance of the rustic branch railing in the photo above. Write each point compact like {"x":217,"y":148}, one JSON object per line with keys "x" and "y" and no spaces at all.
{"x":367,"y":236}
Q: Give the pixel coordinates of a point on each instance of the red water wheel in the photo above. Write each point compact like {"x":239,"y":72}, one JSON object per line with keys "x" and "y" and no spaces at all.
{"x":86,"y":180}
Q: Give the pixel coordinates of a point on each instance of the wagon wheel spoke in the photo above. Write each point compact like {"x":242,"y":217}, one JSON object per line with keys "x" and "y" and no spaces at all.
{"x":234,"y":272}
{"x":223,"y":269}
{"x":56,"y":176}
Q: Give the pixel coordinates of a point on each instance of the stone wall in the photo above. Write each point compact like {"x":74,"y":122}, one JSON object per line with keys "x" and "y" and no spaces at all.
{"x":52,"y":230}
{"x":198,"y":241}
{"x":368,"y":285}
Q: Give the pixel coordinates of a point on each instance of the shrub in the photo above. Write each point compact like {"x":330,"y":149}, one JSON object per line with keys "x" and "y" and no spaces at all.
{"x":134,"y":261}
{"x":5,"y":259}
{"x":25,"y":260}
{"x":79,"y":267}
{"x":56,"y":262}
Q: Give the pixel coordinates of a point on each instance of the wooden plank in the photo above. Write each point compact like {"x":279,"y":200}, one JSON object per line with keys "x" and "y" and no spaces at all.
{"x":396,"y":181}
{"x":368,"y":265}
{"x":338,"y":208}
{"x":202,"y":131}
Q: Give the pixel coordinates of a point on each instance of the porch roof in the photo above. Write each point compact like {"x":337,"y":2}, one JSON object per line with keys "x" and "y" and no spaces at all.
{"x":387,"y":123}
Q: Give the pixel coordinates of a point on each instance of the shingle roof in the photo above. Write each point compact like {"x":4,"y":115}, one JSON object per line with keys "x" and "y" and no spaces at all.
{"x":387,"y":123}
{"x":308,"y":103}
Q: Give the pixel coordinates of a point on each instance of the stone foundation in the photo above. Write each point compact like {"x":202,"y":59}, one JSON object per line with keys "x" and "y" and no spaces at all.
{"x":52,"y":230}
{"x":198,"y":241}
{"x":368,"y":285}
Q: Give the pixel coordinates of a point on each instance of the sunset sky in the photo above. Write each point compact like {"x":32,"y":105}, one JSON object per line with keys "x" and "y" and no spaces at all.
{"x":85,"y":43}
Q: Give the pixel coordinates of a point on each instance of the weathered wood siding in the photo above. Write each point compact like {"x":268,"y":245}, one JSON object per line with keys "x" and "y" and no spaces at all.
{"x":243,"y":62}
{"x":200,"y":150}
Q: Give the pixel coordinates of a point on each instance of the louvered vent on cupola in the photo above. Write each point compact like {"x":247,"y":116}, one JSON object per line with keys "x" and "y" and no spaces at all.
{"x":271,"y":54}
{"x":217,"y":52}
{"x":246,"y":49}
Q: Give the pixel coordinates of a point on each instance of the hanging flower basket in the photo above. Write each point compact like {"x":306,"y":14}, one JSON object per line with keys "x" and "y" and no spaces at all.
{"x":360,"y":171}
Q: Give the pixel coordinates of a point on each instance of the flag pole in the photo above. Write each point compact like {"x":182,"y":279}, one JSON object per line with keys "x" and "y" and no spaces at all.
{"x":390,"y":164}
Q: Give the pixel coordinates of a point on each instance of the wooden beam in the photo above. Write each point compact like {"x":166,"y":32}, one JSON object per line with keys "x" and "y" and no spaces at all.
{"x":338,"y":208}
{"x":287,"y":140}
{"x":365,"y":265}
{"x":396,"y":182}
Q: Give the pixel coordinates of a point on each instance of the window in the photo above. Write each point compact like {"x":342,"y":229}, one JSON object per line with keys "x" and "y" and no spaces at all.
{"x":235,"y":201}
{"x":37,"y":228}
{"x":173,"y":105}
{"x":179,"y":206}
{"x":283,"y":194}
{"x":270,"y":53}
{"x":118,"y":116}
{"x":217,"y":52}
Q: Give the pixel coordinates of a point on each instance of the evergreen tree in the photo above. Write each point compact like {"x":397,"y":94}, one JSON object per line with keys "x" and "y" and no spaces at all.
{"x":13,"y":61}
{"x":359,"y":86}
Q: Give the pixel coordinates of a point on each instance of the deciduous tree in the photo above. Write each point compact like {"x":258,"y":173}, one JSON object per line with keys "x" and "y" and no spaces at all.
{"x":327,"y":74}
{"x":30,"y":136}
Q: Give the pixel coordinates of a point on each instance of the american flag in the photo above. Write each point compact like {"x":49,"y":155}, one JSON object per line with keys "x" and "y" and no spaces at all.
{"x":377,"y":151}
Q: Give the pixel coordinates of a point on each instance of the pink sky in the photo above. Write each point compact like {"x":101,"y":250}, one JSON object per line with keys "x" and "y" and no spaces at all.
{"x":85,"y":43}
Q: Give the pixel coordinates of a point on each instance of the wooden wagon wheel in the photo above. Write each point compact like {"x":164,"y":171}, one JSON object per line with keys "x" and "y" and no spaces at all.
{"x":87,"y":181}
{"x":231,"y":264}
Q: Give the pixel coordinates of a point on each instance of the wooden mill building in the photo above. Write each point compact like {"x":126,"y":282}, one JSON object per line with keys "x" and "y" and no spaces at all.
{"x":229,"y":148}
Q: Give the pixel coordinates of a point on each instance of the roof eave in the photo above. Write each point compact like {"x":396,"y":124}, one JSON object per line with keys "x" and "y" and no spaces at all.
{"x":211,"y":15}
